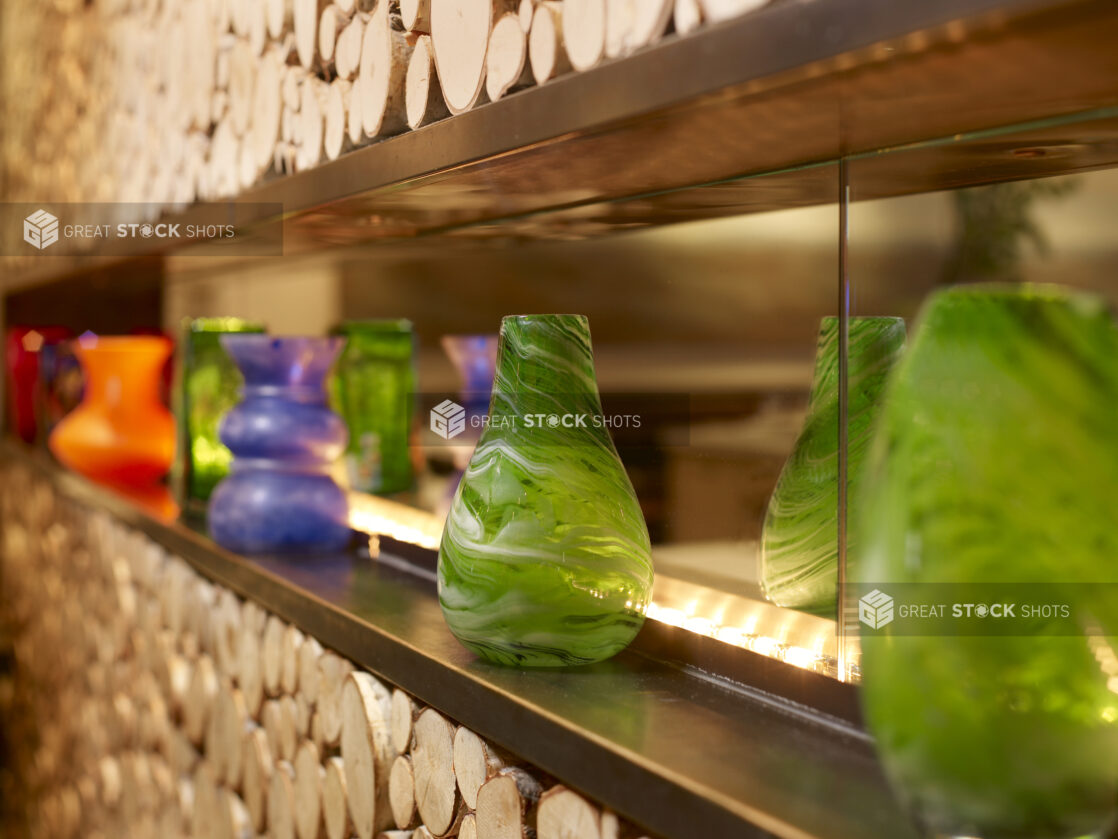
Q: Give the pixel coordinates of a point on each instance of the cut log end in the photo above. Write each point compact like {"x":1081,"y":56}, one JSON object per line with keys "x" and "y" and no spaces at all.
{"x":475,"y":762}
{"x":424,"y":98}
{"x":367,"y":751}
{"x":503,"y":806}
{"x":433,"y":769}
{"x":564,"y":814}
{"x":401,"y":793}
{"x":524,"y":15}
{"x":686,"y":16}
{"x":506,"y":62}
{"x":335,"y":803}
{"x":584,"y":32}
{"x":309,"y":776}
{"x":416,"y":15}
{"x":385,"y":55}
{"x":281,"y":802}
{"x":546,"y":50}
{"x":460,"y":31}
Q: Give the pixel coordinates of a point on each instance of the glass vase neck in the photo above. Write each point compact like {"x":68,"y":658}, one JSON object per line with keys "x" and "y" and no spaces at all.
{"x":545,"y":363}
{"x":123,"y":371}
{"x":294,"y":367}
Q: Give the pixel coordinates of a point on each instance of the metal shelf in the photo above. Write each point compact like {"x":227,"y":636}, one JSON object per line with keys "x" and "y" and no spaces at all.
{"x":681,"y":753}
{"x":745,"y":116}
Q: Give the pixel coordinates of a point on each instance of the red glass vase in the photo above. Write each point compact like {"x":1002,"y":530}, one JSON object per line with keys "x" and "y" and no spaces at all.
{"x":22,"y":356}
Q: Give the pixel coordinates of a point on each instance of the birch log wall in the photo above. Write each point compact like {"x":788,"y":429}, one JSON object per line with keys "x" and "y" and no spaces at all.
{"x":146,"y":701}
{"x":166,"y":102}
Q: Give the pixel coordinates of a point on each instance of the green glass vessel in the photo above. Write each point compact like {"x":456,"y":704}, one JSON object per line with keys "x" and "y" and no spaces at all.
{"x":995,"y":461}
{"x":207,"y":384}
{"x":799,"y":541}
{"x":373,"y":389}
{"x":545,"y":559}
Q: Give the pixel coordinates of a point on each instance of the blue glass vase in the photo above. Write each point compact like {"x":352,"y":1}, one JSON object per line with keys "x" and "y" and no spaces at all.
{"x":475,"y":359}
{"x":280,"y":496}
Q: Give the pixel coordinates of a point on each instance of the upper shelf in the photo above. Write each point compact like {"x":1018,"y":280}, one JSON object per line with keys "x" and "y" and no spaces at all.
{"x":971,"y":90}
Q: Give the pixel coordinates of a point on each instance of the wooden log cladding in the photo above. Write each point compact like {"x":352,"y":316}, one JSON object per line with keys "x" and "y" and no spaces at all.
{"x":170,"y":103}
{"x":193,"y":713}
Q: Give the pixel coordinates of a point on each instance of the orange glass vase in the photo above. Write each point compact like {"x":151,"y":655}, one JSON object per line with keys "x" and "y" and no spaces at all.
{"x":121,"y":432}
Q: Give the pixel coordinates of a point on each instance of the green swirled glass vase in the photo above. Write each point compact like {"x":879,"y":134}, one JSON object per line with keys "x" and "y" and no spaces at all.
{"x":545,"y":559}
{"x":995,"y":462}
{"x":799,"y":542}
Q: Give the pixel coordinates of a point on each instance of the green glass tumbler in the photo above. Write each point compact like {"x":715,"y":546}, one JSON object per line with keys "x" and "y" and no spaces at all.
{"x":207,"y":385}
{"x":545,"y":558}
{"x":995,"y":465}
{"x":373,"y":389}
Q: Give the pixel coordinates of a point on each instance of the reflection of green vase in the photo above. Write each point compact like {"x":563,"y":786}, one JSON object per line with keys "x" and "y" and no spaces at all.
{"x":799,"y":543}
{"x":373,"y":388}
{"x":996,"y":461}
{"x":545,"y":559}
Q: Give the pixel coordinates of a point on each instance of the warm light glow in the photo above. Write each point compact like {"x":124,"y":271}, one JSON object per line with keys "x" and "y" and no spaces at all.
{"x":381,"y":517}
{"x":672,"y":617}
{"x":800,"y":657}
{"x":768,"y":633}
{"x":765,"y":646}
{"x":732,"y":635}
{"x":32,"y":341}
{"x":700,"y":626}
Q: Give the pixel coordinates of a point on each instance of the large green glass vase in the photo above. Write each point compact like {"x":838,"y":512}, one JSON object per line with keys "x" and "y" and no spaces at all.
{"x":545,"y":558}
{"x":799,"y":542}
{"x":995,"y":462}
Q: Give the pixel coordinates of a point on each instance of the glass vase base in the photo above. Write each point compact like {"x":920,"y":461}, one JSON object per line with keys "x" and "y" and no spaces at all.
{"x":257,"y":512}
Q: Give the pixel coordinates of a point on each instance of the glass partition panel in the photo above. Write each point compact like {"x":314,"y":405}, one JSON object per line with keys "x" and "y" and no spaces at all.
{"x":982,"y":465}
{"x":707,"y":339}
